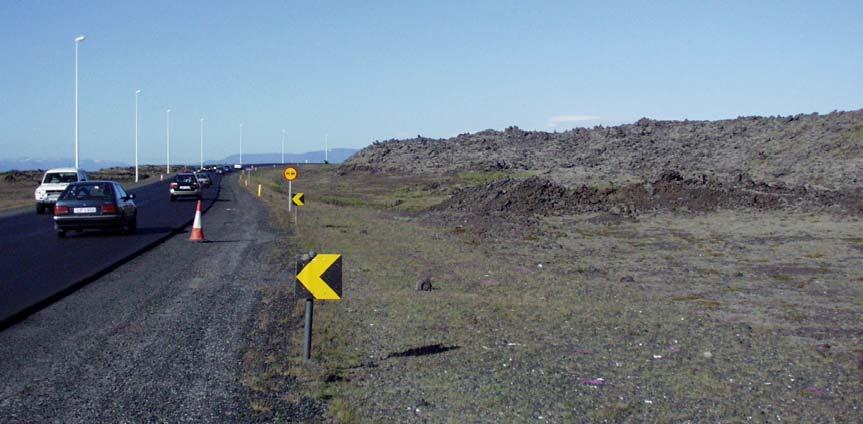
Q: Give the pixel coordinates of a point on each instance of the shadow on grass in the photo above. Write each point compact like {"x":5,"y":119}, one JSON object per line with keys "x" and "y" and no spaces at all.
{"x":422,"y":351}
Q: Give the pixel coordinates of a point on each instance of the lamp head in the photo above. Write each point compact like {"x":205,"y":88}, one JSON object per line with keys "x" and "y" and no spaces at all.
{"x":79,"y":38}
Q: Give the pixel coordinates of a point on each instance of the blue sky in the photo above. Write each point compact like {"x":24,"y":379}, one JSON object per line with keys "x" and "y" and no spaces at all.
{"x":362,"y":71}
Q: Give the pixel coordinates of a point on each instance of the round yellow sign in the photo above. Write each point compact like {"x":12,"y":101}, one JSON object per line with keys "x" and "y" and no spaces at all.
{"x":291,"y":174}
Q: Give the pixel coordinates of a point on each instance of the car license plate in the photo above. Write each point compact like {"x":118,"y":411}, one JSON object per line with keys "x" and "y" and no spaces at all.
{"x":84,"y":210}
{"x":184,"y":187}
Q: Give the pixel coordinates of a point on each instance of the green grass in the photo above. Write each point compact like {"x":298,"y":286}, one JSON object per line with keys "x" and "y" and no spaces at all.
{"x":522,"y":346}
{"x":857,"y":135}
{"x":344,"y":201}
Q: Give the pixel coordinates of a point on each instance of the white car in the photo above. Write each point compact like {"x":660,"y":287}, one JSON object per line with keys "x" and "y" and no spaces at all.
{"x":53,"y":183}
{"x":185,"y":184}
{"x":203,"y":178}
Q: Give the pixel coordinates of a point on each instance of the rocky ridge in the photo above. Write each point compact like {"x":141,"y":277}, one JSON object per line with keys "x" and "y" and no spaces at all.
{"x":812,"y":151}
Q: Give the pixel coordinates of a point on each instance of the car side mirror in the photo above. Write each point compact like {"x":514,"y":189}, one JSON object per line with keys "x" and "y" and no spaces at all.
{"x":130,"y":196}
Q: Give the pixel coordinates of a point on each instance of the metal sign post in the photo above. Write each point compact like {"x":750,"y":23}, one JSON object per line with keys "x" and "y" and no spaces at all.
{"x":307,"y":344}
{"x":298,"y":200}
{"x":291,"y":174}
{"x":302,"y":261}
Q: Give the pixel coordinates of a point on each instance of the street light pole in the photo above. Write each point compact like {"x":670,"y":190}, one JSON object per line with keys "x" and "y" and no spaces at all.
{"x":283,"y":147}
{"x":326,"y":148}
{"x":168,"y":140}
{"x":241,"y":145}
{"x":78,"y":41}
{"x":202,"y":143}
{"x":137,"y":93}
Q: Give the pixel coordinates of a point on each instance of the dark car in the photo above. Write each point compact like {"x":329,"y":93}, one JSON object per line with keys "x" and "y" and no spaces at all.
{"x":95,"y":205}
{"x":227,"y":169}
{"x":185,"y":184}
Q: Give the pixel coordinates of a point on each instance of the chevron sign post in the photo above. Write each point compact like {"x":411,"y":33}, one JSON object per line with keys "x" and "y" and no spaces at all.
{"x":319,"y":277}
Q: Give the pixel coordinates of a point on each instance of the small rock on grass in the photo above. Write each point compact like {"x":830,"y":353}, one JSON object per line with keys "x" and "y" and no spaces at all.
{"x":425,"y":284}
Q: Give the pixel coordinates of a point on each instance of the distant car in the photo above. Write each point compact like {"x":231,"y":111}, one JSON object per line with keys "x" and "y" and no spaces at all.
{"x":185,"y":184}
{"x":220,"y":171}
{"x":204,"y":178}
{"x":227,"y":169}
{"x":95,"y":205}
{"x":53,"y":183}
{"x":238,"y":166}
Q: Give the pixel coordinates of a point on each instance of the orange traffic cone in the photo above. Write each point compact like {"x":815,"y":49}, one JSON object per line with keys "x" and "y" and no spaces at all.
{"x":197,"y":231}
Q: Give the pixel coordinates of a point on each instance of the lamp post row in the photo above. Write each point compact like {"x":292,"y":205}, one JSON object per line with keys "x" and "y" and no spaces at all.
{"x":78,"y":41}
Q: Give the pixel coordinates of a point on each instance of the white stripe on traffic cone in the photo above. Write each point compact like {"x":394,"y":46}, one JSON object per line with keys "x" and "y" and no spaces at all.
{"x":197,"y":231}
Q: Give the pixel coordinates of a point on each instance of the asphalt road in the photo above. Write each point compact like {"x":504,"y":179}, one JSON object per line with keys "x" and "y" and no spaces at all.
{"x":36,"y":267}
{"x":159,"y":339}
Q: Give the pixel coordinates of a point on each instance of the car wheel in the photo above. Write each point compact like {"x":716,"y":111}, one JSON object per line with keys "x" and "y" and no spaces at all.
{"x":61,"y":233}
{"x":132,"y":227}
{"x":173,"y":198}
{"x":40,"y":209}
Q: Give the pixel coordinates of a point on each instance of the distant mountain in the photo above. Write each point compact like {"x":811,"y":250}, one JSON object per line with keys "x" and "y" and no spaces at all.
{"x":26,"y":164}
{"x":335,"y":156}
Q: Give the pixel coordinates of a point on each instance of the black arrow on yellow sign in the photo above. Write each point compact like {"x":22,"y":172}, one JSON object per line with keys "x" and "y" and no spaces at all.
{"x":320,"y":278}
{"x":299,"y":199}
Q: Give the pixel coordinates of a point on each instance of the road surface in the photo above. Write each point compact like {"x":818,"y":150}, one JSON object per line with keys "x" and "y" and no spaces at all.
{"x":37,"y":267}
{"x":159,"y":339}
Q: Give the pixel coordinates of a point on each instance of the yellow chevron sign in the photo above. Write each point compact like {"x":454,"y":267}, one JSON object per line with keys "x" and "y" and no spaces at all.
{"x":298,"y":199}
{"x":322,"y":277}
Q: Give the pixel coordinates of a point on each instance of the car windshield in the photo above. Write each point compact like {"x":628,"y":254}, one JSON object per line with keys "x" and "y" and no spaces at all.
{"x":92,"y":191}
{"x":186,"y":179}
{"x":60,"y":177}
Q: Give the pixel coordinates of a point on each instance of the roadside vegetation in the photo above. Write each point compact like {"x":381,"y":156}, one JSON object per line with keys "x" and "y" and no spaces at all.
{"x":666,"y":317}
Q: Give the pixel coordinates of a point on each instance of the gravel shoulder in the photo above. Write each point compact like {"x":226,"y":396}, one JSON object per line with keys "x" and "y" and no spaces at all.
{"x":159,"y":339}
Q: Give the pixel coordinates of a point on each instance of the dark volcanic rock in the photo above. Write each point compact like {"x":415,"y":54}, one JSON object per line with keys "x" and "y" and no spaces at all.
{"x":539,"y":196}
{"x":818,"y":150}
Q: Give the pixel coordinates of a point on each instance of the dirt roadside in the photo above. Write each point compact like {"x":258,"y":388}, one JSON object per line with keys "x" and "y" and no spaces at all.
{"x":728,"y":315}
